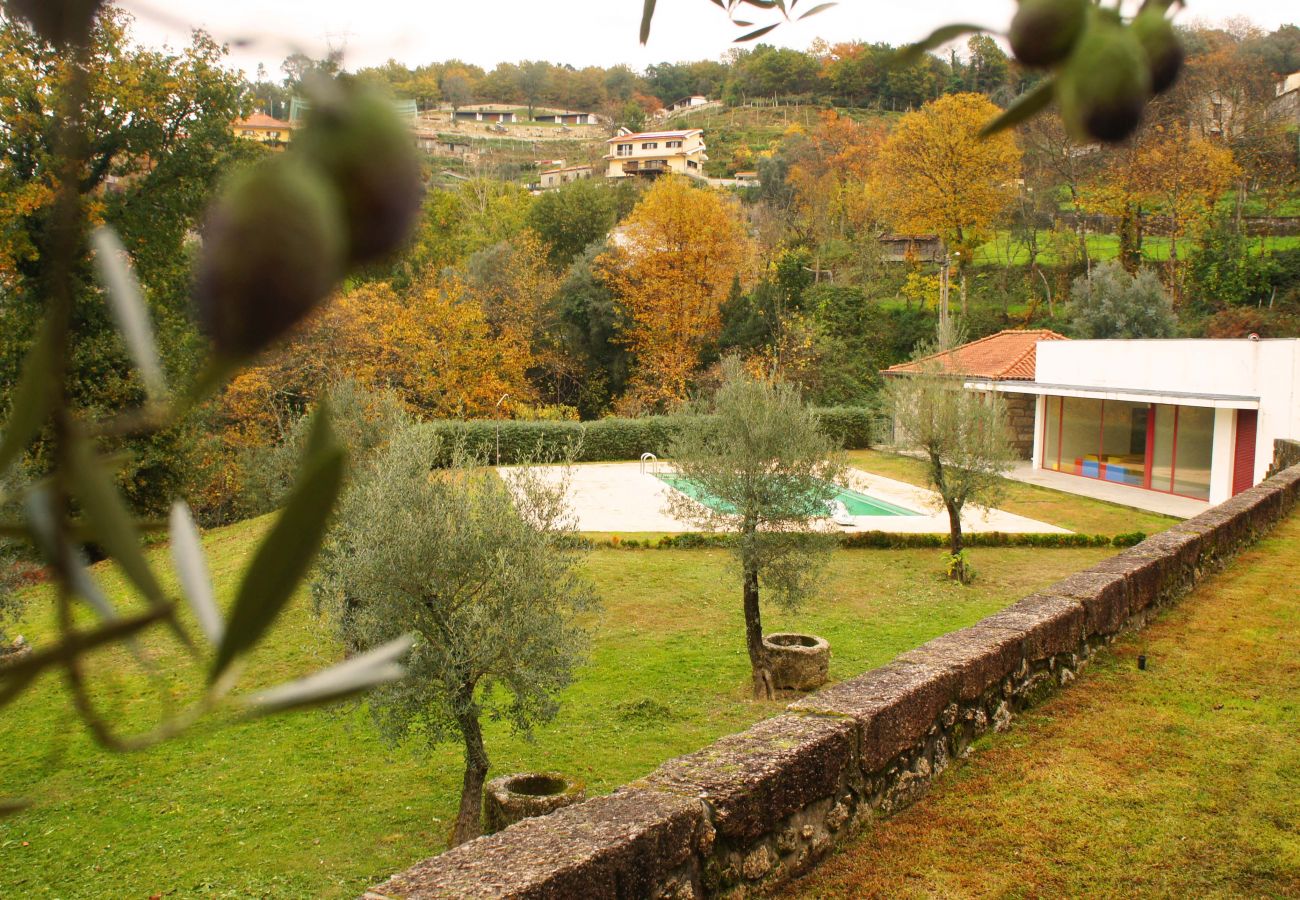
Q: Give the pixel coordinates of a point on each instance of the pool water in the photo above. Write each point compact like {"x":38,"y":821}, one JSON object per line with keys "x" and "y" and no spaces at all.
{"x":857,"y":503}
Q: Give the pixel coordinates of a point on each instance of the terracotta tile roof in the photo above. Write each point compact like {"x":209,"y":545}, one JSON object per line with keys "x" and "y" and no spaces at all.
{"x":1008,"y":354}
{"x":262,"y":120}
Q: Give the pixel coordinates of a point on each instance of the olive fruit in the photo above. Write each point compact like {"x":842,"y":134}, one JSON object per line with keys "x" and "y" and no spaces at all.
{"x":359,"y":141}
{"x":273,"y":248}
{"x":1163,"y":48}
{"x":1043,"y":32}
{"x":1105,"y":87}
{"x":58,"y":21}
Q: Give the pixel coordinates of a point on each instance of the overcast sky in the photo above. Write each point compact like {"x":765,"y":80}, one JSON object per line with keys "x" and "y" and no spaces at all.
{"x":579,"y":32}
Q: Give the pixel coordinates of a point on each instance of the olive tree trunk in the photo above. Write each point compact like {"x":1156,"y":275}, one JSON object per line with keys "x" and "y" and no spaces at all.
{"x":469,"y":820}
{"x":754,"y":635}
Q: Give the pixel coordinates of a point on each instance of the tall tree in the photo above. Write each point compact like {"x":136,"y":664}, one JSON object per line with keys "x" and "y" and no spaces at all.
{"x":962,"y":435}
{"x":937,"y":174}
{"x":671,"y":266}
{"x":758,"y":449}
{"x":484,"y":573}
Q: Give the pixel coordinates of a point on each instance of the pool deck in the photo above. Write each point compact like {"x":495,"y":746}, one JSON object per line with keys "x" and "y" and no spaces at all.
{"x":619,"y":497}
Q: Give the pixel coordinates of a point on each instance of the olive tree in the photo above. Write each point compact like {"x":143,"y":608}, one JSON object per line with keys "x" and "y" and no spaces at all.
{"x":961,"y":435}
{"x":483,"y":572}
{"x":757,"y":449}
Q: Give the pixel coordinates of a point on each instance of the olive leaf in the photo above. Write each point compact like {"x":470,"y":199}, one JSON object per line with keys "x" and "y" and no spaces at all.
{"x":192,"y":568}
{"x":1026,"y":106}
{"x":109,"y":520}
{"x":940,"y":36}
{"x":40,"y":516}
{"x":287,"y":552}
{"x":345,"y":679}
{"x":647,"y":13}
{"x":127,"y":304}
{"x":31,"y":402}
{"x":821,"y":7}
{"x":756,"y":33}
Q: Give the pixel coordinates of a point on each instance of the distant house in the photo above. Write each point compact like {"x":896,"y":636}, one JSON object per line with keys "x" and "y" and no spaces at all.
{"x":405,"y":109}
{"x":747,"y":177}
{"x":1193,"y":418}
{"x":653,"y":153}
{"x":565,"y":117}
{"x":553,"y":178}
{"x":1286,"y":103}
{"x":434,"y":144}
{"x":264,"y":129}
{"x":911,"y":247}
{"x":1004,"y":358}
{"x":686,"y":103}
{"x":481,"y":113}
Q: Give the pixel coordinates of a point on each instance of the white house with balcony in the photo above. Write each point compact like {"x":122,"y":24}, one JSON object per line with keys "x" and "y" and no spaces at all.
{"x":1192,"y":420}
{"x":654,"y":153}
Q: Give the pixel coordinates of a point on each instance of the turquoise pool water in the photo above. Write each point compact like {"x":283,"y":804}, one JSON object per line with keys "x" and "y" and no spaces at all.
{"x":857,"y":503}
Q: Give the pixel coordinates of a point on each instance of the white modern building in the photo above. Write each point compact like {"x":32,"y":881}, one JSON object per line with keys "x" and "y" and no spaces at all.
{"x":1191,"y":418}
{"x":653,"y":153}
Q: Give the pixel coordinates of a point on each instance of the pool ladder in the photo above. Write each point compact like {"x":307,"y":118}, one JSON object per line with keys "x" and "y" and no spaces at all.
{"x":649,"y":459}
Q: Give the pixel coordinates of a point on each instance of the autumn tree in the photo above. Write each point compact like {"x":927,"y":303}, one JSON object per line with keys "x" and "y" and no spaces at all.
{"x":671,"y":267}
{"x":937,"y":174}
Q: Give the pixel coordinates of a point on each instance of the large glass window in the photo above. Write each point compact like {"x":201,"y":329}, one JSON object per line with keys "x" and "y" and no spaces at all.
{"x":1192,"y":451}
{"x":1164,"y":448}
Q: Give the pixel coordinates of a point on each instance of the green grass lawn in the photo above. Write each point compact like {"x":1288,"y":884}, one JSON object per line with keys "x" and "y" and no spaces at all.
{"x":1179,"y":781}
{"x":1082,"y":514}
{"x":312,"y":804}
{"x":1102,"y":247}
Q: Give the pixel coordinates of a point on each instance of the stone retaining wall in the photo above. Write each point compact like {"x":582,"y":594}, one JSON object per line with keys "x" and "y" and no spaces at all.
{"x":1286,"y":453}
{"x":756,"y":808}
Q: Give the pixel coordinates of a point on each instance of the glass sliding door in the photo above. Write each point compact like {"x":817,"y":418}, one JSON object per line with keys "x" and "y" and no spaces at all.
{"x":1148,"y":445}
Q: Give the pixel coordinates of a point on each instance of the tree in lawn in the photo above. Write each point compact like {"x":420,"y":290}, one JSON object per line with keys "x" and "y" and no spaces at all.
{"x":672,"y":266}
{"x":962,"y":435}
{"x":482,"y":573}
{"x":758,"y":449}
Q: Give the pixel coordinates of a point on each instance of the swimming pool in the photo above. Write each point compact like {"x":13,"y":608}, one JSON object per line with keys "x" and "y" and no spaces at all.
{"x":857,"y":504}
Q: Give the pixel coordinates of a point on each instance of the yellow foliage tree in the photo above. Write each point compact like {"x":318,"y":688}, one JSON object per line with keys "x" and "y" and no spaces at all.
{"x":671,"y":266}
{"x":936,"y":173}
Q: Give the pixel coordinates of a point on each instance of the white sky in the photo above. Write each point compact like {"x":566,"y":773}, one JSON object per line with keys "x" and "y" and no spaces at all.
{"x":578,"y":32}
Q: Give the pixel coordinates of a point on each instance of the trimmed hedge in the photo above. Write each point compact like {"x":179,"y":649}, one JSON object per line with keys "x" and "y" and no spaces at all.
{"x":603,"y":440}
{"x":880,"y":540}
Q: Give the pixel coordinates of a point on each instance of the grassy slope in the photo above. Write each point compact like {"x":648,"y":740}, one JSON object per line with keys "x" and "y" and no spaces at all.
{"x":1102,"y":247}
{"x":313,"y":804}
{"x":1180,"y":781}
{"x":1081,"y":514}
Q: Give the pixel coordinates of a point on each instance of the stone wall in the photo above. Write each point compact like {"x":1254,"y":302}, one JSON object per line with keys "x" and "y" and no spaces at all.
{"x":1286,"y":453}
{"x":1020,"y":422}
{"x":756,"y":808}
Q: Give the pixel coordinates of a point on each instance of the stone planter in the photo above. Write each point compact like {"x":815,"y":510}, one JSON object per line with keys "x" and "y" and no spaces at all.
{"x":513,"y":797}
{"x":799,"y":662}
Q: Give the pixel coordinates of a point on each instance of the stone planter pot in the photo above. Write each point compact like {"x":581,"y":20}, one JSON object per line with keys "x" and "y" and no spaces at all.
{"x":513,"y":797}
{"x":799,"y":662}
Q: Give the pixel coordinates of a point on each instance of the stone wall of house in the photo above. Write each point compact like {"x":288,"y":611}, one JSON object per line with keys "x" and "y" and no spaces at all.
{"x":756,"y":808}
{"x":1020,"y":422}
{"x":1286,"y":453}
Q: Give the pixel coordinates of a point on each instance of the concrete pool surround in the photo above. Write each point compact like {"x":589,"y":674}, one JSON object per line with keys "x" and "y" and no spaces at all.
{"x":625,"y":497}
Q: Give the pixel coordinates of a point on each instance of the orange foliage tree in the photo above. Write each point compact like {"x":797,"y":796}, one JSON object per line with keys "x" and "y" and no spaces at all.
{"x":671,"y":265}
{"x":936,"y":173}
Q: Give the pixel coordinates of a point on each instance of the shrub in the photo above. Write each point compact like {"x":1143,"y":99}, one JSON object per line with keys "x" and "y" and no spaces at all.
{"x":603,"y":440}
{"x":1111,"y":303}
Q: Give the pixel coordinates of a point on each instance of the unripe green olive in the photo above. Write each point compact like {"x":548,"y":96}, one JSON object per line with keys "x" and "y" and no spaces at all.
{"x":1105,"y":86}
{"x":58,"y":21}
{"x":359,"y":141}
{"x":1044,"y":32}
{"x":273,"y":248}
{"x":1163,"y":48}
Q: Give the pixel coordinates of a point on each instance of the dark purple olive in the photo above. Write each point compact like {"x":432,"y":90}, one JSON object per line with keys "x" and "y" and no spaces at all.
{"x":1104,"y":88}
{"x":1044,"y":32}
{"x":1164,"y":50}
{"x":58,"y":21}
{"x":273,"y":248}
{"x":359,"y":141}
